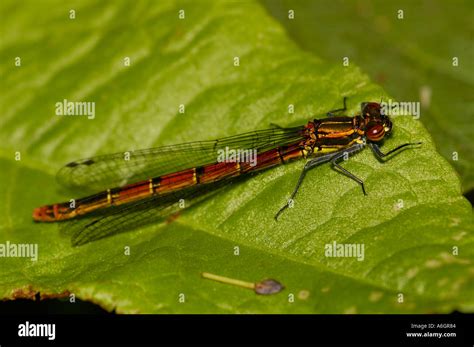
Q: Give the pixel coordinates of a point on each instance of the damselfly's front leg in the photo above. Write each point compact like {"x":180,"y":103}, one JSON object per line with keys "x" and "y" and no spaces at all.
{"x":332,"y":113}
{"x":380,"y":155}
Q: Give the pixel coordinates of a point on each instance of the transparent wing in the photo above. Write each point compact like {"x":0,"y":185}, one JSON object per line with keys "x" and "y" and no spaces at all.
{"x":114,"y":170}
{"x":127,"y":217}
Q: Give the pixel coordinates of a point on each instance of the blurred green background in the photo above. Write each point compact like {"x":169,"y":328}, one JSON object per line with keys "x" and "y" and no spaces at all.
{"x":408,"y":57}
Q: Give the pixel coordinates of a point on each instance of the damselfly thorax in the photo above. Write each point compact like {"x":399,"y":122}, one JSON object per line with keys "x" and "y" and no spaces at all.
{"x":151,"y":180}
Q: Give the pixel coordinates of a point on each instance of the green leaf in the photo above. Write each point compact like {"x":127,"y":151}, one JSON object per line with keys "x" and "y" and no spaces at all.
{"x":410,"y":57}
{"x":408,"y":250}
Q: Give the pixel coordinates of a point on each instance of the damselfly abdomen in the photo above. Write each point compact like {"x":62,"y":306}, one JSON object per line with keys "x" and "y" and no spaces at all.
{"x":149,"y":182}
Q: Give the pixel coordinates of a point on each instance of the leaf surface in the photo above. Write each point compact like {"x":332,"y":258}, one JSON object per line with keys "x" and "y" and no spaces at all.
{"x":410,"y":221}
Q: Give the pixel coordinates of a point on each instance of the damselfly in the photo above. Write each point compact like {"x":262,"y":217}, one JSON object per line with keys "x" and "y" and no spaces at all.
{"x":149,"y":183}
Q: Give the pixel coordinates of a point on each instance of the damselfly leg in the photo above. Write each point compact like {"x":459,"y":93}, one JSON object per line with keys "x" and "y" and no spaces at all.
{"x":380,"y":155}
{"x":333,"y":112}
{"x":309,"y":165}
{"x":341,"y":155}
{"x":333,"y":158}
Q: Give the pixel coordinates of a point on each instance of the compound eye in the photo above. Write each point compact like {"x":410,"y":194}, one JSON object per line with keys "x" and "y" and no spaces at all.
{"x":375,"y":131}
{"x":372,"y":109}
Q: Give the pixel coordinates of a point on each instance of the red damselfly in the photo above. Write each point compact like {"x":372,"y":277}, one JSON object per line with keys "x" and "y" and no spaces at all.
{"x":149,"y":182}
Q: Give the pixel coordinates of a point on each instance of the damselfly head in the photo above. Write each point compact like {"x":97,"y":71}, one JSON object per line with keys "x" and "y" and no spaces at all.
{"x":371,"y":109}
{"x":377,"y":125}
